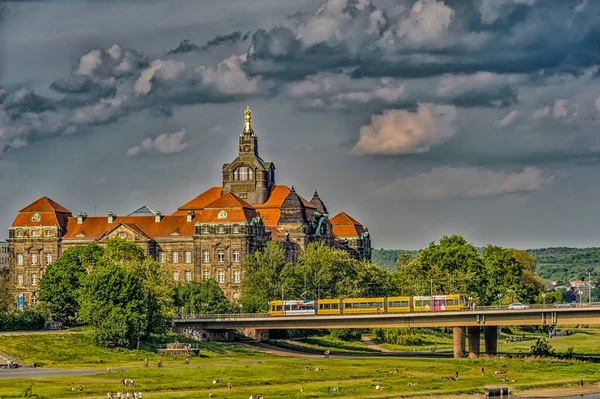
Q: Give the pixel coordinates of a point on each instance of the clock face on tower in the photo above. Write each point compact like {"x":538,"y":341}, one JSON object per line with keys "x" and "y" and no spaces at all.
{"x":245,"y":148}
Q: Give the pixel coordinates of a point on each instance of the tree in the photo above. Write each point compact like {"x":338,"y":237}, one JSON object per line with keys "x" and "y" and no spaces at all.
{"x":6,"y":289}
{"x":202,"y":297}
{"x":542,"y":348}
{"x":266,"y":274}
{"x":62,"y":279}
{"x":113,"y":302}
{"x":122,"y":251}
{"x":158,"y":288}
{"x":404,"y":259}
{"x":327,"y":272}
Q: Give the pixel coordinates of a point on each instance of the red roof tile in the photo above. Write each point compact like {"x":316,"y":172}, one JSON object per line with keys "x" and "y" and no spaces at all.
{"x":201,"y":201}
{"x":95,"y":227}
{"x":345,"y":225}
{"x":270,"y":217}
{"x":228,"y":200}
{"x":46,"y":219}
{"x":45,"y":204}
{"x":278,"y":195}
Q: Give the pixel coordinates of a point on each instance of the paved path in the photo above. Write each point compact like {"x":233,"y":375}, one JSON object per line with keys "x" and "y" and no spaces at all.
{"x":30,"y":372}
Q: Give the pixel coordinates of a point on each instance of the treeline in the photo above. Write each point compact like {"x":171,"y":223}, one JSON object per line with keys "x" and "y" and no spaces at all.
{"x":494,"y":275}
{"x":559,"y":264}
{"x":566,"y":264}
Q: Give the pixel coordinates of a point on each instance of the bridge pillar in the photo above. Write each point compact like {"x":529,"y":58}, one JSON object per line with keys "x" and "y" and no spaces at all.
{"x":491,"y":340}
{"x":474,"y":344}
{"x":459,"y":338}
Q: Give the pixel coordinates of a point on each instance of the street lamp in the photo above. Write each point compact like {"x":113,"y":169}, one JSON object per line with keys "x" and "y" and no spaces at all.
{"x":580,"y":292}
{"x":590,"y":285}
{"x":470,"y":302}
{"x":544,"y":298}
{"x":499,"y":296}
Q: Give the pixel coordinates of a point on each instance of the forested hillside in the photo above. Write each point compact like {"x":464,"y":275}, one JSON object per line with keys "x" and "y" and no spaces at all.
{"x":563,"y":264}
{"x":567,"y":263}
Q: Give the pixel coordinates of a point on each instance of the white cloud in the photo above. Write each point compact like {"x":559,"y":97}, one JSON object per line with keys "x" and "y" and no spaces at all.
{"x":166,"y":143}
{"x":559,"y":110}
{"x":404,"y":132}
{"x":508,"y":119}
{"x":492,"y":10}
{"x":426,"y":22}
{"x":472,"y":182}
{"x":114,"y":62}
{"x":158,"y":69}
{"x":228,"y":78}
{"x":105,"y":110}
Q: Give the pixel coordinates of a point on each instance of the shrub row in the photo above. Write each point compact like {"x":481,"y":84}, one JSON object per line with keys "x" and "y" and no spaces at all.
{"x":21,"y":321}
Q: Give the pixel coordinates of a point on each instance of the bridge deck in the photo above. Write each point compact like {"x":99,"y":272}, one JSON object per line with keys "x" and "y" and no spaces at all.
{"x":484,"y":316}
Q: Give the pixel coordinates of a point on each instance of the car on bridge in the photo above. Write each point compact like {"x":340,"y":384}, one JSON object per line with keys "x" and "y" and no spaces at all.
{"x":518,"y":306}
{"x":565,"y":305}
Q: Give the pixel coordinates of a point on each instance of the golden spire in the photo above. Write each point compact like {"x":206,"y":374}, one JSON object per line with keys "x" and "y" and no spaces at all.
{"x":248,"y":126}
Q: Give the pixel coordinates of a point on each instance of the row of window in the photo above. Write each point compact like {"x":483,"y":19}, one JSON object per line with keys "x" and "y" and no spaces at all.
{"x":220,"y":228}
{"x":187,"y":256}
{"x":187,"y":276}
{"x":33,"y":279}
{"x":34,"y":233}
{"x":34,"y":258}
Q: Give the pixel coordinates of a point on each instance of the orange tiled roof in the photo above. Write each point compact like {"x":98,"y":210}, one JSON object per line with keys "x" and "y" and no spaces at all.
{"x":234,"y":215}
{"x":345,"y":225}
{"x":200,"y":201}
{"x":45,"y":204}
{"x":46,"y":219}
{"x":228,"y":200}
{"x":278,"y":195}
{"x":95,"y":227}
{"x":270,"y":217}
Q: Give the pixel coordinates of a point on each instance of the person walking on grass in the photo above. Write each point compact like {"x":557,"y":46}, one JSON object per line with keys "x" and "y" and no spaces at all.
{"x":482,"y":370}
{"x":229,"y":386}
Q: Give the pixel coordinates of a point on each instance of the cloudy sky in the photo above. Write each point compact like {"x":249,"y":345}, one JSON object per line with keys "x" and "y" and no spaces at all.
{"x":419,"y":118}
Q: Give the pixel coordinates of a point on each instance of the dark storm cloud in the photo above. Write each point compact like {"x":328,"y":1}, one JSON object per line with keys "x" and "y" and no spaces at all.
{"x":80,"y":90}
{"x":187,"y":46}
{"x":431,"y":38}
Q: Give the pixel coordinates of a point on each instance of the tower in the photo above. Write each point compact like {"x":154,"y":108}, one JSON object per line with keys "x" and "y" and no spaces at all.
{"x":248,"y":176}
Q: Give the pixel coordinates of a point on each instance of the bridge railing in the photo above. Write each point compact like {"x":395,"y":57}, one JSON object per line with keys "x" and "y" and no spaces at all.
{"x":236,"y":316}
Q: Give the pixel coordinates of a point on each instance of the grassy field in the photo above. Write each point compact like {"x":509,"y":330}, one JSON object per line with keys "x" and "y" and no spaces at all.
{"x":322,"y":343}
{"x":77,"y":351}
{"x":281,"y":378}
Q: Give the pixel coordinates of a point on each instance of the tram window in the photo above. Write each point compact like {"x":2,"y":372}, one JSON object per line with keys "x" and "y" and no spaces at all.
{"x":398,"y":304}
{"x":451,"y":302}
{"x":425,"y":303}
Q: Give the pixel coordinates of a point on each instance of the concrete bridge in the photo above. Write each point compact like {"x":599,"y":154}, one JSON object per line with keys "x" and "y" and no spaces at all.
{"x":488,"y":319}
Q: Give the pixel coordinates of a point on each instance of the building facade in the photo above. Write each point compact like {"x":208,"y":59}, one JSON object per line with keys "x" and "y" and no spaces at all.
{"x":3,"y":255}
{"x":206,"y":237}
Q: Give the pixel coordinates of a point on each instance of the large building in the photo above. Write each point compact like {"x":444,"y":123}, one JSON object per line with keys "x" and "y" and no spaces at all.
{"x":3,"y":255}
{"x":206,"y":237}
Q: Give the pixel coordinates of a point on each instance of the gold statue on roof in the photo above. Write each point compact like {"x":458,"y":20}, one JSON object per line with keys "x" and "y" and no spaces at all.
{"x":248,"y":127}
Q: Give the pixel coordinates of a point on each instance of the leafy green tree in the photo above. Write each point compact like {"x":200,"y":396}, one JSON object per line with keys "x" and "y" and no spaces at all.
{"x":202,"y":297}
{"x":542,"y":348}
{"x":404,"y":259}
{"x":6,"y":289}
{"x":266,"y":274}
{"x":122,"y":251}
{"x":158,"y":287}
{"x":113,"y":302}
{"x":327,"y":272}
{"x":62,"y":279}
{"x":374,"y":280}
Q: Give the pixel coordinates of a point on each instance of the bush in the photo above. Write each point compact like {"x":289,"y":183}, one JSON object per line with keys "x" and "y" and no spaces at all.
{"x":345,"y":334}
{"x":398,"y":336}
{"x":542,"y":348}
{"x":21,"y":321}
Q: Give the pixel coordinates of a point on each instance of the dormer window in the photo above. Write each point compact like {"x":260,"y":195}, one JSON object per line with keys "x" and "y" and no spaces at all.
{"x":222,"y":215}
{"x":243,"y":173}
{"x":35,"y":218}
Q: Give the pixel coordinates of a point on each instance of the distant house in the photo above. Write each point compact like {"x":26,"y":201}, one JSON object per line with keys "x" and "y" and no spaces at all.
{"x":577,"y":283}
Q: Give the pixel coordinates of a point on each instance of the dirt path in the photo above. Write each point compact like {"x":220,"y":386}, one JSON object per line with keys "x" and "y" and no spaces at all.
{"x":366,"y":339}
{"x":275,"y":350}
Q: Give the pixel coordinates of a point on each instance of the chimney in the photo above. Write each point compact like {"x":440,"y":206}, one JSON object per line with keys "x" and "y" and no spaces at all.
{"x":190,"y":215}
{"x":157,"y":217}
{"x":111,"y":217}
{"x":80,"y":218}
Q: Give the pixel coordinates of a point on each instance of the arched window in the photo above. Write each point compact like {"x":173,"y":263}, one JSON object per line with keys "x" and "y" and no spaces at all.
{"x":243,"y":173}
{"x":243,"y":170}
{"x":236,"y":175}
{"x":34,"y":233}
{"x":19,"y":233}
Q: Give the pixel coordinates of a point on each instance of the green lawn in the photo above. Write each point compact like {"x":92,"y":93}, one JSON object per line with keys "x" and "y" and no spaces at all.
{"x":280,"y":378}
{"x":78,"y":351}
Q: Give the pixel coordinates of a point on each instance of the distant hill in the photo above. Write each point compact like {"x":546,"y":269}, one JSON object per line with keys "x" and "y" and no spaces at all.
{"x":562,"y":264}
